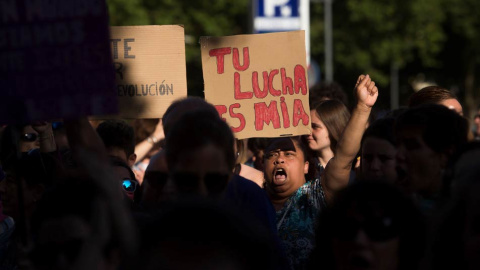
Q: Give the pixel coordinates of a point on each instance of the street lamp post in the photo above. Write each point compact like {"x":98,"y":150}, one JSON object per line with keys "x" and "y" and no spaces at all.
{"x":328,"y":41}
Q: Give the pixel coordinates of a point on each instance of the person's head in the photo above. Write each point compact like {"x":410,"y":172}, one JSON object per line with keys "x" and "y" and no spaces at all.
{"x":28,"y":177}
{"x":435,"y":95}
{"x":257,"y":146}
{"x":427,"y":136}
{"x":72,"y":221}
{"x":118,"y":137}
{"x":219,"y":239}
{"x":370,"y":225}
{"x":329,"y":119}
{"x":241,"y":151}
{"x":378,"y":151}
{"x":17,"y":139}
{"x":327,"y":91}
{"x":156,"y":174}
{"x":285,"y":166}
{"x":199,"y":152}
{"x":29,"y":139}
{"x":182,"y":106}
{"x":126,"y":178}
{"x":457,"y":243}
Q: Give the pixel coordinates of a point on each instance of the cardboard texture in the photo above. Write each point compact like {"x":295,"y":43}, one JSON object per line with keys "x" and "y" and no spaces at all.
{"x":258,"y":83}
{"x":150,"y":69}
{"x":55,"y":60}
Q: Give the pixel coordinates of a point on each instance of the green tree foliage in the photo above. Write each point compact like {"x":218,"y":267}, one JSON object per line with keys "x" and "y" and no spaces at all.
{"x":200,"y":18}
{"x":463,"y":23}
{"x":371,"y":34}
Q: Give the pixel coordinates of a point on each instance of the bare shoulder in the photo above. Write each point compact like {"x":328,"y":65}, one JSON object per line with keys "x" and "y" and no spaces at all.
{"x":252,"y":174}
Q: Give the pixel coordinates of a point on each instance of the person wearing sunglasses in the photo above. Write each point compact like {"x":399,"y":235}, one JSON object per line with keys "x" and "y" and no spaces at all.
{"x":25,"y":138}
{"x":129,"y":184}
{"x":29,"y":139}
{"x":370,"y":225}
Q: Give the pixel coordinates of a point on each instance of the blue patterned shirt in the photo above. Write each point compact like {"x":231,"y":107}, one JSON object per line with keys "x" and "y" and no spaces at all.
{"x":296,"y":222}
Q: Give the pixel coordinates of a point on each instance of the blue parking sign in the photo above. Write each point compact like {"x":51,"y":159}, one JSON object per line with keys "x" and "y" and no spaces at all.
{"x":281,"y":16}
{"x":277,"y":15}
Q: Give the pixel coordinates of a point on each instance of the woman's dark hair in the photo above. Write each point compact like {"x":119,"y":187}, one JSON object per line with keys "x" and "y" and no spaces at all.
{"x":117,"y":134}
{"x":367,"y":196}
{"x":334,"y":114}
{"x":257,"y":144}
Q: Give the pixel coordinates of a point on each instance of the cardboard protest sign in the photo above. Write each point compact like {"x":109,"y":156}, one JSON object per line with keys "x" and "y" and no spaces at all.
{"x":55,"y":60}
{"x":258,"y":83}
{"x":150,"y":69}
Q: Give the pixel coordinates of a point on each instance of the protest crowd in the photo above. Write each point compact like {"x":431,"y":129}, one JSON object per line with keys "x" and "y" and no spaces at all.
{"x":266,"y":174}
{"x":399,"y":192}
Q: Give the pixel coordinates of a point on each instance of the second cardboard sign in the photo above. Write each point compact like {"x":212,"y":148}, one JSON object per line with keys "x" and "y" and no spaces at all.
{"x":150,"y":70}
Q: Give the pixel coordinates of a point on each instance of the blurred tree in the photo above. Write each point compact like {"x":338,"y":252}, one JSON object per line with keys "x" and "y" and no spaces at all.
{"x":371,"y":35}
{"x":200,"y":18}
{"x":437,"y":37}
{"x":464,"y":24}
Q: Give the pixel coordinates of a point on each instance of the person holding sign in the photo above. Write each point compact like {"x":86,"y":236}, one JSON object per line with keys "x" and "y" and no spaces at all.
{"x":296,"y":201}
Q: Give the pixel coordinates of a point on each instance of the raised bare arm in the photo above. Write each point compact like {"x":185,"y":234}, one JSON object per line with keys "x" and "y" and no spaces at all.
{"x":337,"y":172}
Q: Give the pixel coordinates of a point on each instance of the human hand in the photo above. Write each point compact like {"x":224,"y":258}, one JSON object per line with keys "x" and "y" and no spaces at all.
{"x":366,"y":91}
{"x":159,"y":133}
{"x":41,"y":126}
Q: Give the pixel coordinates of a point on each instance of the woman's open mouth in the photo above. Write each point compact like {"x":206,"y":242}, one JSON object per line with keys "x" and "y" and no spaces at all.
{"x":279,"y":176}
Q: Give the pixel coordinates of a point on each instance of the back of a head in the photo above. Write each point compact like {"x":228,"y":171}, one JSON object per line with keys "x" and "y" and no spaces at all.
{"x":195,"y":130}
{"x":381,"y":129}
{"x":455,"y":244}
{"x":430,"y":95}
{"x":202,"y":235}
{"x":361,"y":205}
{"x":182,"y":106}
{"x":443,"y":130}
{"x":257,"y":144}
{"x":67,"y":217}
{"x":327,"y":91}
{"x":334,"y":114}
{"x":117,"y":134}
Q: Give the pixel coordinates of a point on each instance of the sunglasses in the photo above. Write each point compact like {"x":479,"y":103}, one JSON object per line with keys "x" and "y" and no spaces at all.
{"x":377,"y":229}
{"x":129,"y":185}
{"x":29,"y":137}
